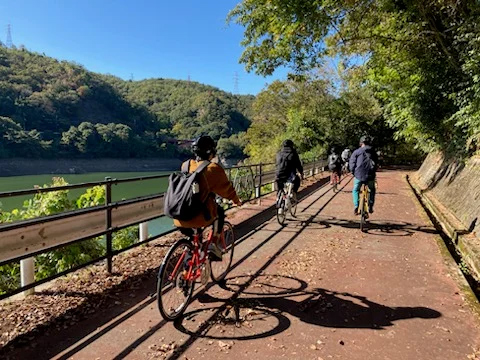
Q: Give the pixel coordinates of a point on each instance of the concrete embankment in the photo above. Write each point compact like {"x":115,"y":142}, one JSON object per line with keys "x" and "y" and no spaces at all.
{"x":451,"y":190}
{"x":17,"y":166}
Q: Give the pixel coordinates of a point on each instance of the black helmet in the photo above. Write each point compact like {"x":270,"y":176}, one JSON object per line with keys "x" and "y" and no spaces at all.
{"x":204,"y":146}
{"x":288,"y":143}
{"x":367,"y":140}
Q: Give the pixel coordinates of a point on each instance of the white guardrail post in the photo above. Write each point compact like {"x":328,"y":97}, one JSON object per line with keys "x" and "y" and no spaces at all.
{"x":27,"y":274}
{"x":143,"y":231}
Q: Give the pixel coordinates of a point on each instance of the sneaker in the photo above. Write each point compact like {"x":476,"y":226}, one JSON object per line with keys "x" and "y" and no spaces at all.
{"x":355,"y":211}
{"x":370,"y":209}
{"x":214,"y":252}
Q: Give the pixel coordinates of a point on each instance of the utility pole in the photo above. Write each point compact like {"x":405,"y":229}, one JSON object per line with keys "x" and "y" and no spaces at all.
{"x":9,"y":43}
{"x":235,"y":83}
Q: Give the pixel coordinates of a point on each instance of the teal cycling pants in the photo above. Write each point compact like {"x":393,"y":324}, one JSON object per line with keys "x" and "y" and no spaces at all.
{"x":357,"y":185}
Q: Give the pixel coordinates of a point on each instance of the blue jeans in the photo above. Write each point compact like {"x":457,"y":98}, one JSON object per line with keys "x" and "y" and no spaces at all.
{"x":357,"y":184}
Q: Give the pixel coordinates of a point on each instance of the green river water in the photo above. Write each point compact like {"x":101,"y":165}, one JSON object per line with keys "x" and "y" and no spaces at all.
{"x":119,"y":192}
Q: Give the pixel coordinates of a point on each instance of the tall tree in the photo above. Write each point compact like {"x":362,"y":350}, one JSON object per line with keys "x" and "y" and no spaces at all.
{"x":421,"y":57}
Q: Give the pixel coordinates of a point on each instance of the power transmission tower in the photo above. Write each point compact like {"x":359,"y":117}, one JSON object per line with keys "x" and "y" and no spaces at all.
{"x":9,"y":43}
{"x":235,"y":83}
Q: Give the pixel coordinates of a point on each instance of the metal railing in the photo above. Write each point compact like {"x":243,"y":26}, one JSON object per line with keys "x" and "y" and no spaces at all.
{"x":22,"y":240}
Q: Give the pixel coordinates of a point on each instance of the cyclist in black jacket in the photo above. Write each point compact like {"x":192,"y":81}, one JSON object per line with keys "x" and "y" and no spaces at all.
{"x":287,"y":165}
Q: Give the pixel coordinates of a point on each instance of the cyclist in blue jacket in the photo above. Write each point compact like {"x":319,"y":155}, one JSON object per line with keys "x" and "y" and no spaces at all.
{"x":363,"y":165}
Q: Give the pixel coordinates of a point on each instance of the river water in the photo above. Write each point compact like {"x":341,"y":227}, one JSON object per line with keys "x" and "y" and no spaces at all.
{"x":119,"y":192}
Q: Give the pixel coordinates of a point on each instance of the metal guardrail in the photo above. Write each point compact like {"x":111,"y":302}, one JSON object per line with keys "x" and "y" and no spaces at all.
{"x":21,"y":240}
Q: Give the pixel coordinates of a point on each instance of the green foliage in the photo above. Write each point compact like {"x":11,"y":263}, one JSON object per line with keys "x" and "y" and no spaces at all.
{"x":59,"y":109}
{"x":125,"y":237}
{"x":92,"y":197}
{"x":9,"y":277}
{"x":192,"y":108}
{"x":232,"y":147}
{"x":52,"y":262}
{"x":306,"y":112}
{"x":421,"y":58}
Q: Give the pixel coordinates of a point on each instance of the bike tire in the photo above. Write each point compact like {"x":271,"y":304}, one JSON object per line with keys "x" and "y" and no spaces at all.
{"x":243,"y":183}
{"x":186,"y":247}
{"x":294,"y":203}
{"x":362,"y":213}
{"x":281,"y":213}
{"x":227,"y":247}
{"x":249,"y":185}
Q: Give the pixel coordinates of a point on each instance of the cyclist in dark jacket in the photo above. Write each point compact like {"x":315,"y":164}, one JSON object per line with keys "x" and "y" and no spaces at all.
{"x":363,"y":165}
{"x":334,"y":165}
{"x":287,"y":165}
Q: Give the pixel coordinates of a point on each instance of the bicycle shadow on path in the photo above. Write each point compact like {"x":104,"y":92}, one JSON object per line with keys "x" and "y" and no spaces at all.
{"x":378,"y":227}
{"x":319,"y":307}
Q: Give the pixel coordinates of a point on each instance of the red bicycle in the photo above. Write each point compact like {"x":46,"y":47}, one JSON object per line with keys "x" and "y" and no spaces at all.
{"x":186,"y":262}
{"x":335,"y":181}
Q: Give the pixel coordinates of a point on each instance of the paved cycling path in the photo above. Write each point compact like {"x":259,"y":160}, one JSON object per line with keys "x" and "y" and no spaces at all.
{"x":317,"y":288}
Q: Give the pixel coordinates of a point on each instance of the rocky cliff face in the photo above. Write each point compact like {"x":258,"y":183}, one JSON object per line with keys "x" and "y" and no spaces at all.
{"x":455,"y":185}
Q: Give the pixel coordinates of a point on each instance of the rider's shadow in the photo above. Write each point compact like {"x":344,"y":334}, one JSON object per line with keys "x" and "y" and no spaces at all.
{"x":343,"y":310}
{"x":336,"y":310}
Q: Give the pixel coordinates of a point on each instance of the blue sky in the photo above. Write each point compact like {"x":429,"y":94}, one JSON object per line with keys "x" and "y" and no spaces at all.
{"x":143,"y":38}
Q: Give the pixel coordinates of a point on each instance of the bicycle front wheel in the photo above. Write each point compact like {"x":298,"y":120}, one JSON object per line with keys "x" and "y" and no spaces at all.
{"x":226,"y":243}
{"x":173,"y":290}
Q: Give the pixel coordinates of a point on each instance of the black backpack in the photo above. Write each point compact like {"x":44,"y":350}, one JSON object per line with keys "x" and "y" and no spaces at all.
{"x":182,"y":199}
{"x":333,"y":159}
{"x":368,"y":163}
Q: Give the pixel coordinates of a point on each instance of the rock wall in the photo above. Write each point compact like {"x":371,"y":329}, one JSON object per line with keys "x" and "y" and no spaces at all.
{"x":455,"y":185}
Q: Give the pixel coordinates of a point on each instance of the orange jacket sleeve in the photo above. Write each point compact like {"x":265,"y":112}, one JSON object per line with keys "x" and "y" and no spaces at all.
{"x":220,"y":185}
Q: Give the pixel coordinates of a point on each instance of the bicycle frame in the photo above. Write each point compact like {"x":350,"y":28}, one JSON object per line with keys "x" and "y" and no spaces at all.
{"x":195,"y":263}
{"x":365,"y":194}
{"x":287,"y":190}
{"x":335,"y":177}
{"x":364,"y":209}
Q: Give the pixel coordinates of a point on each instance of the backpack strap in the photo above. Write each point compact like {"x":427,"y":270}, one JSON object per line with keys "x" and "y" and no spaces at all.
{"x":202,"y":166}
{"x":186,"y":167}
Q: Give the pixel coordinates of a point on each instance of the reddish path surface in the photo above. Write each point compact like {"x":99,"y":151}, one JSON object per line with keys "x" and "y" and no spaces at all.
{"x":317,"y":288}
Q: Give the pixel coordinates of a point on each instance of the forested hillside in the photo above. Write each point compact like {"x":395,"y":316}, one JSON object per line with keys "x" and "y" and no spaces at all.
{"x":51,"y":108}
{"x":191,"y":107}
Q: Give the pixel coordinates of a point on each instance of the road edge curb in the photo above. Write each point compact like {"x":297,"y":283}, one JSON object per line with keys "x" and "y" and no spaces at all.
{"x":431,"y":214}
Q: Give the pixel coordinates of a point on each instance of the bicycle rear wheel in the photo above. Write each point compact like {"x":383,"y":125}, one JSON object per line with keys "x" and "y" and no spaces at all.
{"x":281,"y":211}
{"x":173,"y":290}
{"x":363,"y":218}
{"x":226,"y":243}
{"x":293,"y":204}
